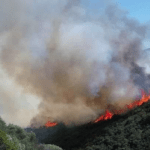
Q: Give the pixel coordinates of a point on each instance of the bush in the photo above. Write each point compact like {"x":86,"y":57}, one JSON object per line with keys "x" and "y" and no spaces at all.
{"x":6,"y":143}
{"x":24,"y":140}
{"x":16,"y":141}
{"x":51,"y":147}
{"x":16,"y":131}
{"x":2,"y":125}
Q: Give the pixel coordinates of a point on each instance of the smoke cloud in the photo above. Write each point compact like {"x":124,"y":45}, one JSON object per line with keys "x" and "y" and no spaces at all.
{"x":76,"y":63}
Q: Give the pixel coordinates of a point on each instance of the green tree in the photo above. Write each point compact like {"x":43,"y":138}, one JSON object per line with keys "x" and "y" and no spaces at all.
{"x":51,"y":147}
{"x":6,"y":143}
{"x":2,"y":125}
{"x":16,"y":141}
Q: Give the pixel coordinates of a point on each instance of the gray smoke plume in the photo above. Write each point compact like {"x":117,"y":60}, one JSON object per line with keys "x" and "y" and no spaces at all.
{"x":78,"y":64}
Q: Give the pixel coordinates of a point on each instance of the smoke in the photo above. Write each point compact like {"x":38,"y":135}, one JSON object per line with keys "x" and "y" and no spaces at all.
{"x":77,"y":64}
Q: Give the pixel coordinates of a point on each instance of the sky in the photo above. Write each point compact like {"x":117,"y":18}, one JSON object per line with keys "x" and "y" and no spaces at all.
{"x":136,"y":9}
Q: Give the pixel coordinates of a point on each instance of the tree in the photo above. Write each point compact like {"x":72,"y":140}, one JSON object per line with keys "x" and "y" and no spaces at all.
{"x":6,"y":143}
{"x":2,"y":125}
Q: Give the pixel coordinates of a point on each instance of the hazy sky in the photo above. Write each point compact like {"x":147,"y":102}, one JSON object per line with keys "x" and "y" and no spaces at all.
{"x":136,"y":9}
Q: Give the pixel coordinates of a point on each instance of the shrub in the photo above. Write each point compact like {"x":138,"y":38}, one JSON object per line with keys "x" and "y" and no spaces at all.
{"x":51,"y":147}
{"x":16,"y":141}
{"x":6,"y":143}
{"x":2,"y":125}
{"x":16,"y":131}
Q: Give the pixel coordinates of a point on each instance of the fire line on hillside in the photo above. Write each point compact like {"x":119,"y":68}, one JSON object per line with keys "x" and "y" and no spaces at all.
{"x":108,"y":114}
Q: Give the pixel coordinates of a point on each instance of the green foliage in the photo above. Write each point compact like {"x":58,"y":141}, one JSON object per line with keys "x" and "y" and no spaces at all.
{"x":30,"y":141}
{"x":32,"y":137}
{"x":16,"y":141}
{"x":131,"y":133}
{"x":2,"y":125}
{"x":52,"y":147}
{"x":11,"y":129}
{"x":16,"y":131}
{"x":6,"y":143}
{"x":130,"y":130}
{"x":23,"y":140}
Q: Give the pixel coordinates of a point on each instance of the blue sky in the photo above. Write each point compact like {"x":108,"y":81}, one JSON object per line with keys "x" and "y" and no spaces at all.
{"x":136,"y":9}
{"x":140,"y":10}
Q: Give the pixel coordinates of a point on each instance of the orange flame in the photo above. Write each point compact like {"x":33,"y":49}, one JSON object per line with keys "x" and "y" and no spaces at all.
{"x":50,"y":124}
{"x":108,"y":115}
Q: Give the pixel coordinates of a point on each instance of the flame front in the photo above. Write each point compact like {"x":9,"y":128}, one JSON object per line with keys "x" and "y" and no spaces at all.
{"x":108,"y":114}
{"x":50,"y":124}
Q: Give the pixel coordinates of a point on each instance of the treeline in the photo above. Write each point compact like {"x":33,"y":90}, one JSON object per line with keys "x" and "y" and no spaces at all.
{"x":13,"y":137}
{"x":130,"y":130}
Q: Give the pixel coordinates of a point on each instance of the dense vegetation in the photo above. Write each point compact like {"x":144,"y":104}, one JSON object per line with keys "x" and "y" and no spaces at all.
{"x":128,"y":131}
{"x":13,"y":137}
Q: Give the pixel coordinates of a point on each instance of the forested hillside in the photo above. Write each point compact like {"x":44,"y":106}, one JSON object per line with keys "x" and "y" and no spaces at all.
{"x":130,"y":130}
{"x":13,"y":137}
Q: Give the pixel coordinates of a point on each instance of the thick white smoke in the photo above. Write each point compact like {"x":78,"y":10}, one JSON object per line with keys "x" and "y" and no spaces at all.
{"x":74,"y":63}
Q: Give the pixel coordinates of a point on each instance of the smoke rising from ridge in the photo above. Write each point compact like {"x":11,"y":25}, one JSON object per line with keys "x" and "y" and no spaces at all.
{"x":77,"y":65}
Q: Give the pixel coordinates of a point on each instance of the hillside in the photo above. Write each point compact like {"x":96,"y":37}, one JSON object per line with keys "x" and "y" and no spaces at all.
{"x":13,"y":137}
{"x":130,"y":130}
{"x":127,"y":131}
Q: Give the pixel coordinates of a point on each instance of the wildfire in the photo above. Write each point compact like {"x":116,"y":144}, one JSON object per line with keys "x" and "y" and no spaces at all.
{"x":50,"y":124}
{"x":108,"y":115}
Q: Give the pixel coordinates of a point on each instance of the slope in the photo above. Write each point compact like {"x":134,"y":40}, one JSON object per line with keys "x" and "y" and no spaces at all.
{"x":130,"y":130}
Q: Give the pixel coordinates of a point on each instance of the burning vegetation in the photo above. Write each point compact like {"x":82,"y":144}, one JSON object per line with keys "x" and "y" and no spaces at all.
{"x":108,"y":114}
{"x":128,"y":130}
